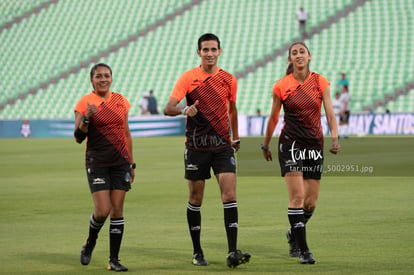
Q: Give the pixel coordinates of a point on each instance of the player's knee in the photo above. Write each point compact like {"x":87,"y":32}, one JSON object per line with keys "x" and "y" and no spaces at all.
{"x":297,"y":201}
{"x":196,"y":201}
{"x":117,"y":212}
{"x":196,"y":198}
{"x":101,"y":214}
{"x":228,"y":196}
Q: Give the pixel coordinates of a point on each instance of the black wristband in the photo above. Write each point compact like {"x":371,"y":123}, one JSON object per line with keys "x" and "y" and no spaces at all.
{"x":85,"y":120}
{"x":79,"y":135}
{"x":133,"y":165}
{"x":264,"y":148}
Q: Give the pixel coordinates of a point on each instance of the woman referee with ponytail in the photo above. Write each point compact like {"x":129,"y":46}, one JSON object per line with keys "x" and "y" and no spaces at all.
{"x":301,"y":92}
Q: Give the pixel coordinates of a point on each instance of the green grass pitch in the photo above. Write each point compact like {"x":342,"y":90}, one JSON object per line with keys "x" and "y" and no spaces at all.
{"x":363,"y":223}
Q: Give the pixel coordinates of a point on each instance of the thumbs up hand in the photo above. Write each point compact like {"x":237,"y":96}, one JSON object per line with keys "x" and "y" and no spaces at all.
{"x":91,"y":110}
{"x":192,"y":109}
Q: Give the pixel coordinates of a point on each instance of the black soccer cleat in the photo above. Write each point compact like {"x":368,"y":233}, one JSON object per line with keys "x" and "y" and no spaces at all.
{"x":86,"y":252}
{"x":198,"y":259}
{"x":236,"y":258}
{"x":114,"y":265}
{"x":306,"y":258}
{"x":294,"y":250}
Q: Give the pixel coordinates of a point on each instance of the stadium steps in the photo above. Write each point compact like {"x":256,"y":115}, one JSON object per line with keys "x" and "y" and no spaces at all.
{"x":111,"y":49}
{"x":404,"y":101}
{"x":13,"y":12}
{"x":367,"y":94}
{"x":314,"y":30}
{"x":91,"y":58}
{"x":253,"y":70}
{"x":393,"y":73}
{"x":275,"y":60}
{"x":401,"y":99}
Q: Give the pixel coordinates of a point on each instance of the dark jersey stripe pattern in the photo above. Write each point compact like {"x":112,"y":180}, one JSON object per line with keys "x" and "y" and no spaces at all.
{"x":106,"y":135}
{"x":302,"y":109}
{"x":209,"y":129}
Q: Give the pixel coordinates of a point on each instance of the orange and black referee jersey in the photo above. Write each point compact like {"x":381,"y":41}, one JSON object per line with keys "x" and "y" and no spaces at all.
{"x":210,"y":128}
{"x":302,"y":110}
{"x":107,"y":145}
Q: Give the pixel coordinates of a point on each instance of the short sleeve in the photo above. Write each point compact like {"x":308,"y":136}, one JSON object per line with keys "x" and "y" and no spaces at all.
{"x":323,"y":82}
{"x":181,"y":87}
{"x":127,"y":104}
{"x":277,"y":91}
{"x":82,"y":105}
{"x":233,"y":92}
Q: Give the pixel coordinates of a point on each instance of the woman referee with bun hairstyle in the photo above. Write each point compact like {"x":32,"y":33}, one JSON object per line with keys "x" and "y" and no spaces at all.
{"x":301,"y":93}
{"x":102,"y":117}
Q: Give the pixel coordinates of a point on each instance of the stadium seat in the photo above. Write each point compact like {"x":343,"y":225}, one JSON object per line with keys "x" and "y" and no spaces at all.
{"x":249,"y":32}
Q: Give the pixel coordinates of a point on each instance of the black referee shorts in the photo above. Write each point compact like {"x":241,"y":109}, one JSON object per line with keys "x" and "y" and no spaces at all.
{"x":198,"y":163}
{"x":305,"y":160}
{"x":109,"y":178}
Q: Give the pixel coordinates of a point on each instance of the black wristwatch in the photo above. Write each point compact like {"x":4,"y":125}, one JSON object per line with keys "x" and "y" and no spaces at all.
{"x":85,"y":120}
{"x":133,"y":165}
{"x":264,"y":148}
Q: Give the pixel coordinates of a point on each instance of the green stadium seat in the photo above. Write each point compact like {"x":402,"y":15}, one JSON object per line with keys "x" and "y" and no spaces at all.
{"x":248,"y":31}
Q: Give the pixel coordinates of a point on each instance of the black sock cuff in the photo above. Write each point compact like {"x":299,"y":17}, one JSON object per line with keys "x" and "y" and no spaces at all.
{"x":117,"y":221}
{"x":193,"y":207}
{"x":95,"y":224}
{"x":295,"y":211}
{"x":230,"y":204}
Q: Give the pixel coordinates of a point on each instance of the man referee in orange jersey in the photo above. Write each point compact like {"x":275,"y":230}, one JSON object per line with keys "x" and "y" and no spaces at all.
{"x":211,"y":112}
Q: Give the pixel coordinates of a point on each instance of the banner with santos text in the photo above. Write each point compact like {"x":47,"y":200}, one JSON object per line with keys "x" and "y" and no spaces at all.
{"x":359,"y":124}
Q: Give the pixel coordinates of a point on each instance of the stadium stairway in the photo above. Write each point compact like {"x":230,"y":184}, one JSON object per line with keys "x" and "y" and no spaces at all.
{"x":396,"y":92}
{"x":93,"y":58}
{"x":403,"y":97}
{"x":159,"y":23}
{"x":314,"y":30}
{"x":17,"y":14}
{"x":246,"y":70}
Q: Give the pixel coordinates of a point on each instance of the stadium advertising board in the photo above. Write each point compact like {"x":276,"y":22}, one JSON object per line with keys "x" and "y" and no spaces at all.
{"x":359,"y":124}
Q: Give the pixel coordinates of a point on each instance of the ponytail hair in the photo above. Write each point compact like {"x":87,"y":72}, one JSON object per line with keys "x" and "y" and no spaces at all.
{"x":289,"y":69}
